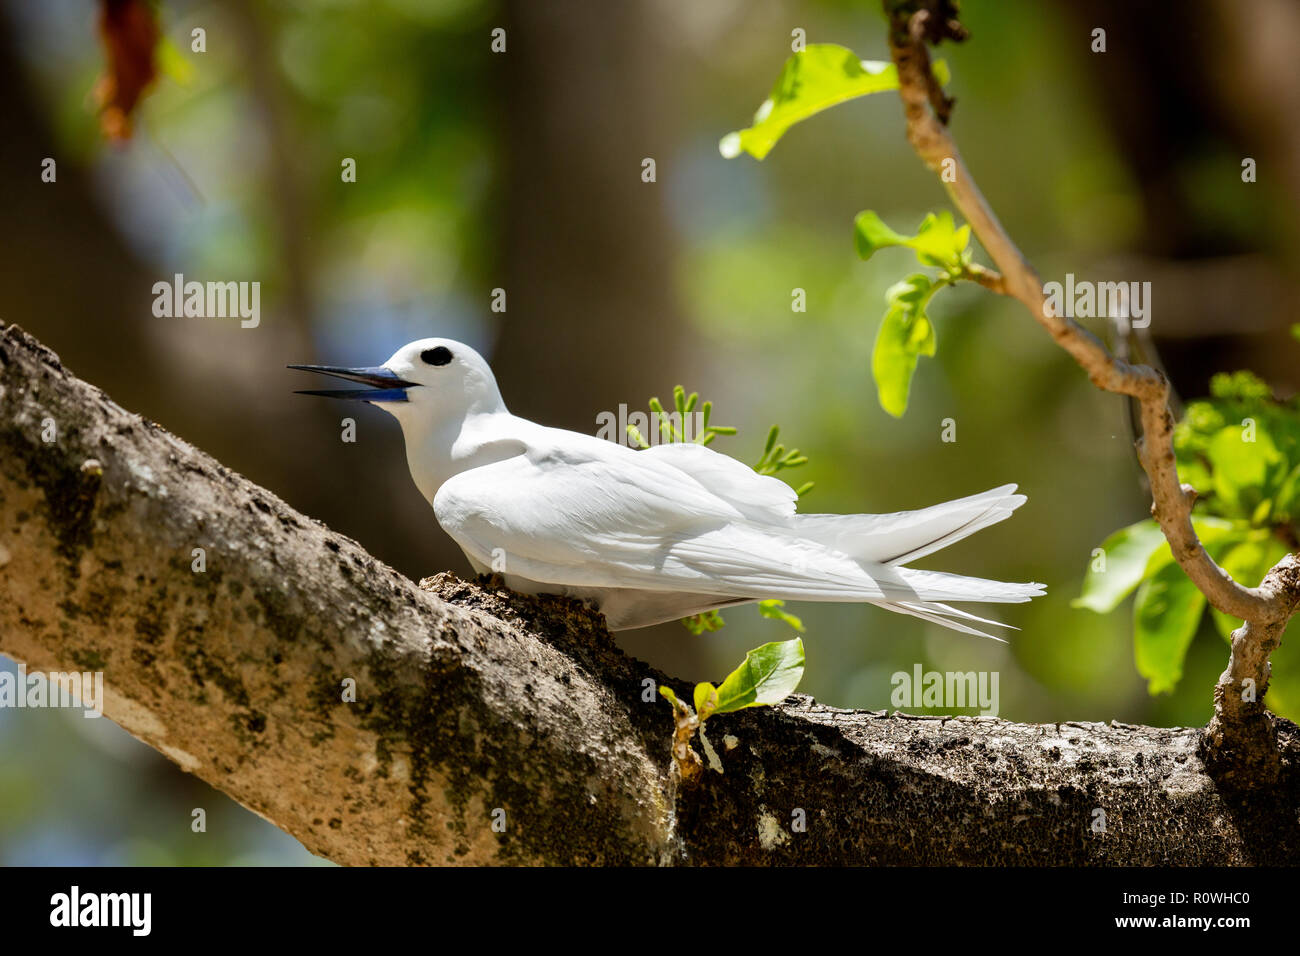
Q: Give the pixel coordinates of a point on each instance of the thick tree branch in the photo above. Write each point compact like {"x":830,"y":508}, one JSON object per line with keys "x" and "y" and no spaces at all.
{"x":476,"y":706}
{"x":1239,"y":709}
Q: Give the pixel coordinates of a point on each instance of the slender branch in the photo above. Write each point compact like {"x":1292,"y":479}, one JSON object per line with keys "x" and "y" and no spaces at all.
{"x":990,"y":279}
{"x":1171,"y":500}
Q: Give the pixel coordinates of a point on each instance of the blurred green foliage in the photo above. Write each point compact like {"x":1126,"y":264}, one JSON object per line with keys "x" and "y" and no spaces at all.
{"x":1248,"y":525}
{"x":1240,"y":450}
{"x":410,"y":90}
{"x":814,"y":79}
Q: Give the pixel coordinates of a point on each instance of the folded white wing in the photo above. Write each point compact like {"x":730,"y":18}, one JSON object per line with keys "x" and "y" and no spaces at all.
{"x":591,"y":514}
{"x":760,"y":497}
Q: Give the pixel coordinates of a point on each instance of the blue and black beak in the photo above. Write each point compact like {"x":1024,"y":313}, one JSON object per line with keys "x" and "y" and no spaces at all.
{"x":385,"y":386}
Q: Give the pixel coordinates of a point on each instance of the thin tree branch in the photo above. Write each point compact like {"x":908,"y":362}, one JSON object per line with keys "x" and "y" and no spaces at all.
{"x":1172,"y":501}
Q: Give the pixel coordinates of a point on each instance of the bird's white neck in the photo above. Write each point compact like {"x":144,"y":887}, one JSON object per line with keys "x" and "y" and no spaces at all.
{"x":439,"y":450}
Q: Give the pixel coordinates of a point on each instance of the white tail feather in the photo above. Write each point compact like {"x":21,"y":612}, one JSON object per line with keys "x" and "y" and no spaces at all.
{"x":926,"y":613}
{"x":908,"y":535}
{"x":931,"y":586}
{"x":894,"y":539}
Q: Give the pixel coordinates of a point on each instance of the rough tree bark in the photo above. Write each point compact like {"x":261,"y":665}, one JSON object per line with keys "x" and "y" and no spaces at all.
{"x":471,"y":699}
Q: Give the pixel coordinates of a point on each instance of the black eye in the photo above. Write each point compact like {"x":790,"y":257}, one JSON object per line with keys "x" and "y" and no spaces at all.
{"x":439,"y":356}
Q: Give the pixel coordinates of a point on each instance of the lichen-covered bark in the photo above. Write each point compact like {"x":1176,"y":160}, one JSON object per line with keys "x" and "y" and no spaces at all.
{"x":237,"y":672}
{"x":494,"y":728}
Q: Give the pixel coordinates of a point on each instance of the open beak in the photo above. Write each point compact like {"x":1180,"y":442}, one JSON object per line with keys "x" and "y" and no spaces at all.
{"x":385,"y":386}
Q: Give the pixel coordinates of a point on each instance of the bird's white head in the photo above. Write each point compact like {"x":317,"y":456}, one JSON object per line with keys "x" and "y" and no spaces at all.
{"x":425,"y":385}
{"x":447,"y":379}
{"x":434,"y":388}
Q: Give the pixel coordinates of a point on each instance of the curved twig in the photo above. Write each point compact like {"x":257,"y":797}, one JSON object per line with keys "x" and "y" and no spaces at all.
{"x":1264,"y":606}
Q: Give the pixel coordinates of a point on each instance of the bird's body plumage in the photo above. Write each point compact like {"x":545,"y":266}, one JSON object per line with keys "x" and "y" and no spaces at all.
{"x":662,"y":533}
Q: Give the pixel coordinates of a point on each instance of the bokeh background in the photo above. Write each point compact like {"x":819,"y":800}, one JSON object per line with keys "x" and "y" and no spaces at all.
{"x":522,"y":170}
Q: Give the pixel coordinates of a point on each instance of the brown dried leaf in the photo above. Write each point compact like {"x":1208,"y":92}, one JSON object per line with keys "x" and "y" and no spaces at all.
{"x":129,"y":31}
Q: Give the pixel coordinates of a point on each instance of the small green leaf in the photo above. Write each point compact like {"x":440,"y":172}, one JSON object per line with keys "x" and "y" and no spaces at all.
{"x":905,"y":334}
{"x":1165,"y":616}
{"x":698,"y":624}
{"x":1126,"y":553}
{"x":667,"y":694}
{"x":912,"y":292}
{"x":870,"y":234}
{"x":772,"y":609}
{"x":769,"y":675}
{"x":938,"y":242}
{"x":816,"y":78}
{"x":706,"y":699}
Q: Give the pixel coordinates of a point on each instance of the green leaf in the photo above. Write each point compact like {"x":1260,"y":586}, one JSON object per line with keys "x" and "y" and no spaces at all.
{"x":938,"y":241}
{"x":706,"y":699}
{"x":905,"y":334}
{"x":1165,"y":616}
{"x":1126,"y":553}
{"x":1216,"y":534}
{"x":667,"y":694}
{"x":870,"y":234}
{"x":1288,"y":495}
{"x":1241,"y":469}
{"x":772,"y":609}
{"x":816,"y":78}
{"x":768,"y":676}
{"x":697,"y":624}
{"x":1137,"y":552}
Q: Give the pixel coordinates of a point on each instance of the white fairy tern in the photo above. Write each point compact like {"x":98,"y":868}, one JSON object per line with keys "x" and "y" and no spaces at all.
{"x":656,"y":534}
